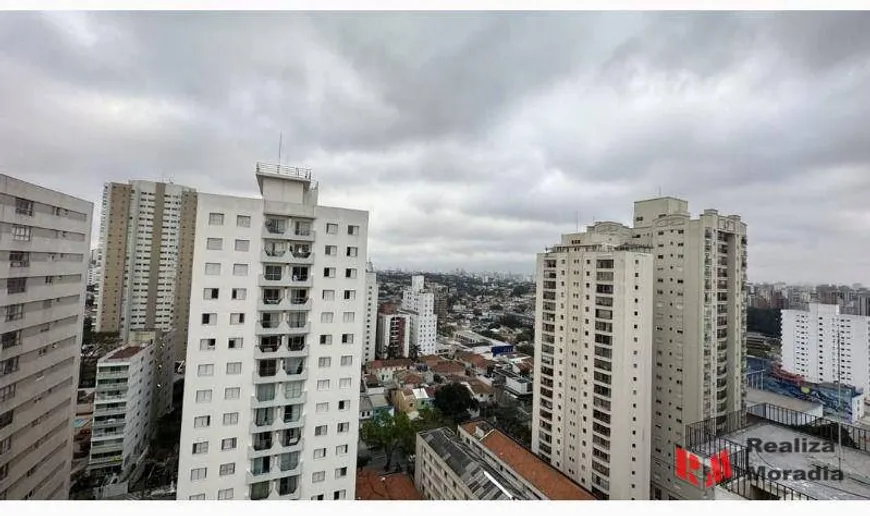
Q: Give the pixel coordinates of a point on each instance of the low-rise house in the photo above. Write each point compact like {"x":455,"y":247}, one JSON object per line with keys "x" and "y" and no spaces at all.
{"x":447,"y":368}
{"x":372,"y":385}
{"x":480,"y":391}
{"x":386,"y":369}
{"x":409,"y":379}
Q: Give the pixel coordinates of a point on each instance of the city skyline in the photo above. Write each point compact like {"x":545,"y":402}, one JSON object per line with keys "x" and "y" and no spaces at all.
{"x":755,"y":114}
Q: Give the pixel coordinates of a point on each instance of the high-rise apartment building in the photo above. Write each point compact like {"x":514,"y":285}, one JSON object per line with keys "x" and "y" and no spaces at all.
{"x":371,"y":293}
{"x":44,"y":249}
{"x":394,"y":335}
{"x":823,"y":345}
{"x":699,"y":326}
{"x":278,"y":308}
{"x":146,"y":242}
{"x":592,"y":378}
{"x":419,"y":304}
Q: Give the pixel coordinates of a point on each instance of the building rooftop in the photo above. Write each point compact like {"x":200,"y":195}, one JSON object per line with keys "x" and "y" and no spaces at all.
{"x":371,"y":485}
{"x":124,"y":353}
{"x":421,"y":394}
{"x":756,"y":396}
{"x":547,"y":479}
{"x":365,"y":404}
{"x":387,"y":364}
{"x":484,"y":482}
{"x":378,"y":401}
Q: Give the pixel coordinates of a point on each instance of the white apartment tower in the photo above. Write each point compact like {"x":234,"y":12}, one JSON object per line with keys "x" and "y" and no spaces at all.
{"x":278,"y":309}
{"x":371,"y":293}
{"x":419,"y":304}
{"x":146,"y":239}
{"x":699,"y":326}
{"x":44,"y":249}
{"x":122,"y":424}
{"x":593,"y":360}
{"x":823,"y":345}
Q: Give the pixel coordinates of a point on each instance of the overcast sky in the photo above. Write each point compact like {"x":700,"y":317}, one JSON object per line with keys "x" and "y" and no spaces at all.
{"x":473,"y":139}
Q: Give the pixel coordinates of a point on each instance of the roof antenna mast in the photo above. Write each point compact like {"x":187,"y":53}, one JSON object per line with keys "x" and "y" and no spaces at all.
{"x":280,"y":144}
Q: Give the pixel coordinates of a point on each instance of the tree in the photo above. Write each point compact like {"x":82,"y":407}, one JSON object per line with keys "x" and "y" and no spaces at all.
{"x":388,"y":432}
{"x":520,"y":290}
{"x":526,"y":349}
{"x":428,"y":419}
{"x":454,"y":401}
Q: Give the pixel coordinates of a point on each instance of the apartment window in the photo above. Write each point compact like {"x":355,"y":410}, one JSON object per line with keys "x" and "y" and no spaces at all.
{"x":348,"y":317}
{"x":14,"y":312}
{"x":212,"y":269}
{"x":349,"y":295}
{"x":344,"y":383}
{"x":341,"y":449}
{"x":343,"y":427}
{"x":232,"y":393}
{"x":16,"y":285}
{"x":243,"y":245}
{"x":215,"y":219}
{"x":243,"y":221}
{"x":200,"y":496}
{"x":353,"y":252}
{"x":329,"y":272}
{"x":231,"y":418}
{"x":214,"y":244}
{"x":329,"y":295}
{"x":199,"y":448}
{"x":6,"y":418}
{"x":239,"y":294}
{"x":19,"y":259}
{"x":322,"y":385}
{"x":203,"y":396}
{"x":202,"y":421}
{"x":206,"y":344}
{"x":340,"y":473}
{"x":229,"y":443}
{"x":326,"y":317}
{"x":331,"y":250}
{"x":319,"y":453}
{"x":6,"y":394}
{"x":318,"y":476}
{"x":324,"y":362}
{"x":225,"y":494}
{"x":332,"y":229}
{"x":234,"y":343}
{"x":321,"y":408}
{"x":350,"y":273}
{"x":344,"y":405}
{"x":347,"y":338}
{"x":21,"y":233}
{"x":234,"y":368}
{"x":341,"y":494}
{"x":209,"y":319}
{"x":23,"y":206}
{"x":346,"y":360}
{"x":317,"y":497}
{"x":237,"y":318}
{"x":210,"y":293}
{"x":205,"y":370}
{"x":320,"y":430}
{"x":10,"y":339}
{"x":198,"y":474}
{"x":227,"y":469}
{"x":353,"y":230}
{"x":240,"y":269}
{"x":326,"y":340}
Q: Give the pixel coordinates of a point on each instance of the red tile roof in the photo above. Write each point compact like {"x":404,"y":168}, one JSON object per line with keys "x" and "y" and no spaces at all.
{"x":447,"y":368}
{"x":387,"y":364}
{"x":409,"y":378}
{"x":547,"y":479}
{"x":124,"y":353}
{"x":370,"y":485}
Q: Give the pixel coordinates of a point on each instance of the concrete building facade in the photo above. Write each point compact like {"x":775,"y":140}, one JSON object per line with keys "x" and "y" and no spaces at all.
{"x":592,"y":377}
{"x":370,"y":342}
{"x":271,"y":401}
{"x":394,"y":335}
{"x":44,"y":249}
{"x":419,"y":304}
{"x":823,"y":345}
{"x":146,"y":234}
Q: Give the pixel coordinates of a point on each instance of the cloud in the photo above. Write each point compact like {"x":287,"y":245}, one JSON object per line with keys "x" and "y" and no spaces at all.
{"x":474,"y":139}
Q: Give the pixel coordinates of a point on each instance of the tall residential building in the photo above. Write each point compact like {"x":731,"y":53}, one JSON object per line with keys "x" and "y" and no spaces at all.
{"x":146,"y":240}
{"x":699,"y":326}
{"x":44,"y":249}
{"x":94,"y":268}
{"x":394,"y":335}
{"x":371,"y":293}
{"x":122,"y":424}
{"x":592,"y":378}
{"x":420,"y":306}
{"x":271,"y":400}
{"x":823,"y":345}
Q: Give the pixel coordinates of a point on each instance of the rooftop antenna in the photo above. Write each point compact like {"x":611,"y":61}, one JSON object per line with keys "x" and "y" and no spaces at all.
{"x":280,"y":144}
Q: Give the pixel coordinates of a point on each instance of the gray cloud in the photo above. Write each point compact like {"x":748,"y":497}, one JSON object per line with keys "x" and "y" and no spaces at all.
{"x":474,"y":139}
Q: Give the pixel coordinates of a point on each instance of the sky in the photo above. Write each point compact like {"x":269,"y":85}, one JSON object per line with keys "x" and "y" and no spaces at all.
{"x":474,"y":139}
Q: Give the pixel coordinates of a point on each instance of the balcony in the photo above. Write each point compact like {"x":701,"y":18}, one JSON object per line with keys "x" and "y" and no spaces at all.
{"x":271,"y":327}
{"x":105,"y":461}
{"x":298,"y":330}
{"x":109,"y":411}
{"x":108,"y":423}
{"x":104,"y":374}
{"x":300,"y":281}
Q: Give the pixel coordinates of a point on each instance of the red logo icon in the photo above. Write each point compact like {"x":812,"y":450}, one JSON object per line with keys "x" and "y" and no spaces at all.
{"x":689,"y":467}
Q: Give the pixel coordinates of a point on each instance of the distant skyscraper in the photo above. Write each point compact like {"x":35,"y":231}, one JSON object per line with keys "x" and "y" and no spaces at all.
{"x":45,"y":241}
{"x":146,"y":239}
{"x":419,"y":304}
{"x":271,"y":395}
{"x":592,"y":401}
